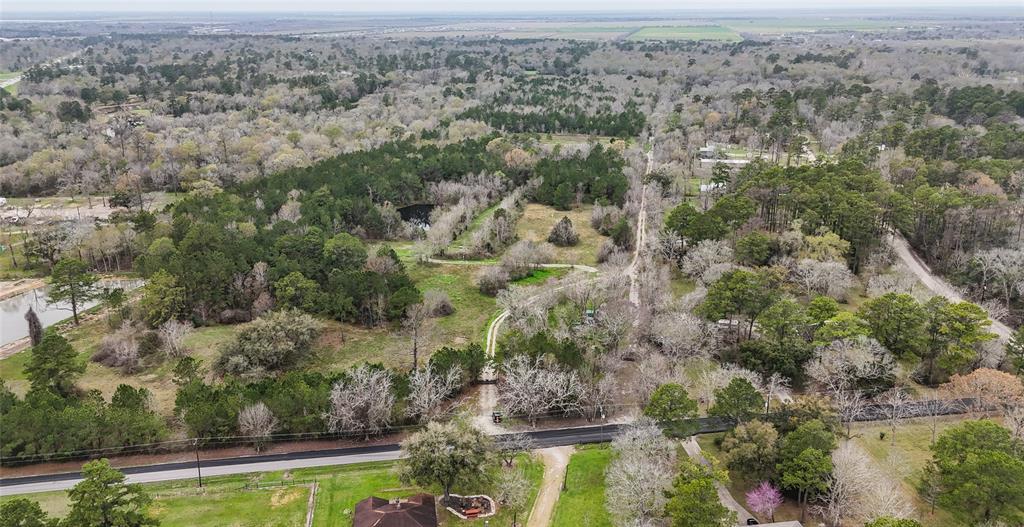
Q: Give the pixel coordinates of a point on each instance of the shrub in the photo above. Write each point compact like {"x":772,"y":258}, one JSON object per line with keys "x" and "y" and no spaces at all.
{"x":563,"y":234}
{"x":269,"y":344}
{"x":491,"y":280}
{"x":127,"y":347}
{"x":438,"y":304}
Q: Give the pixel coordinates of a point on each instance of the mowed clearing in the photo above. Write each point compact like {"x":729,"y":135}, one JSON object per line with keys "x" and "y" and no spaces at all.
{"x":538,"y":220}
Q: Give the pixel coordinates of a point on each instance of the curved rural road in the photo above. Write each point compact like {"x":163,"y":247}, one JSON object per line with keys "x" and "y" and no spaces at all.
{"x":936,"y":284}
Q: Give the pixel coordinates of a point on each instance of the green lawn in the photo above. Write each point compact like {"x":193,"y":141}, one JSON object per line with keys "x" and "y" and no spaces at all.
{"x":8,"y":271}
{"x":582,"y":501}
{"x":249,"y":508}
{"x":542,"y":275}
{"x":681,"y":284}
{"x":686,"y":33}
{"x":224,"y":501}
{"x":911,"y":449}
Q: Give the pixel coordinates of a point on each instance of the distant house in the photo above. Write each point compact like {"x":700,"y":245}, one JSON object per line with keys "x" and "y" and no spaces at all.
{"x":416,"y":511}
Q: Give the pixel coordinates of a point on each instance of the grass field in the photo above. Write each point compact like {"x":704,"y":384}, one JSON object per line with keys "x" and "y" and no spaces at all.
{"x":911,"y":452}
{"x":789,"y":25}
{"x":538,"y":220}
{"x":686,"y":33}
{"x":575,"y":139}
{"x":461,"y":242}
{"x":280,"y":498}
{"x":340,"y":346}
{"x":582,"y":501}
{"x":6,"y":75}
{"x":7,"y":269}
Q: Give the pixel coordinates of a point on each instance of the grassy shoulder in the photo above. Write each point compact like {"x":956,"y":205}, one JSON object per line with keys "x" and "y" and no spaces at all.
{"x":280,"y":498}
{"x":582,"y":502}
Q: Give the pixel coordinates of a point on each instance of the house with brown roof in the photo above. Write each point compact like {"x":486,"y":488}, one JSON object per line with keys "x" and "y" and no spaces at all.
{"x":415,"y":511}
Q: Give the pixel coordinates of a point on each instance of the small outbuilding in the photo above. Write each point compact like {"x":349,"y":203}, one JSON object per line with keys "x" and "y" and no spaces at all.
{"x":415,"y":511}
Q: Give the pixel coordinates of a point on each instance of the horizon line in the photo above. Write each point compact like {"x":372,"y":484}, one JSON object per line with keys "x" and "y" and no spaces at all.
{"x":761,"y":10}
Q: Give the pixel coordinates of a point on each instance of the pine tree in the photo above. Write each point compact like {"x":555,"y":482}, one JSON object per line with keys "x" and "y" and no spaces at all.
{"x":35,"y":328}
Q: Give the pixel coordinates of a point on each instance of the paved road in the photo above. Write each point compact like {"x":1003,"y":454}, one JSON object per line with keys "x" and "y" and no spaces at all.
{"x":287,"y":461}
{"x":936,"y":284}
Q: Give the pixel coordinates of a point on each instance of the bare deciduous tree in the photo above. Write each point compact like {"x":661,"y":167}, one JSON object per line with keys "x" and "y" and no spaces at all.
{"x":492,"y":279}
{"x":257,"y":422}
{"x":526,"y":255}
{"x":172,"y":336}
{"x":828,"y":278}
{"x":415,"y":316}
{"x":859,"y":491}
{"x":428,"y":391}
{"x":527,"y":309}
{"x":896,"y":408}
{"x":534,"y":391}
{"x":511,"y":445}
{"x":640,"y":473}
{"x":842,"y":363}
{"x":683,"y":335}
{"x":362,"y":402}
{"x":706,"y":255}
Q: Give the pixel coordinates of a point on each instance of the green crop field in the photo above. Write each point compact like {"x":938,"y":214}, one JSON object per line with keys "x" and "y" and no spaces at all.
{"x":686,"y":33}
{"x":789,"y":25}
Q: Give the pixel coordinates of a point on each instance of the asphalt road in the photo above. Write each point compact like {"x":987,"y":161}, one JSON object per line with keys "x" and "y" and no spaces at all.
{"x":286,"y":461}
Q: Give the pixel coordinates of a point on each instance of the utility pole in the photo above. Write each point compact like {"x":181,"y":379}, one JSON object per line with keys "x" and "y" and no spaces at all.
{"x":199,"y":469}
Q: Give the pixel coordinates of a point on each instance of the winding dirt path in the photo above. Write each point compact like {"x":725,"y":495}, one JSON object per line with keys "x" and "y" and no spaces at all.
{"x":692,"y":449}
{"x":936,"y":284}
{"x":555,"y":461}
{"x":488,"y":394}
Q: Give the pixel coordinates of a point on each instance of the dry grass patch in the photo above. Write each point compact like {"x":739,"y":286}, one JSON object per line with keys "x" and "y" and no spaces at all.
{"x":538,"y":220}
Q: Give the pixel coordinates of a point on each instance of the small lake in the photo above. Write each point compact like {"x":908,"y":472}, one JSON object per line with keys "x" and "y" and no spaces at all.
{"x":13,"y":309}
{"x":418,"y":214}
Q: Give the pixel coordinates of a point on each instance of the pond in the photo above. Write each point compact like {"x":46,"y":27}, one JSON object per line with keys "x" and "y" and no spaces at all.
{"x":13,"y":309}
{"x":418,"y":214}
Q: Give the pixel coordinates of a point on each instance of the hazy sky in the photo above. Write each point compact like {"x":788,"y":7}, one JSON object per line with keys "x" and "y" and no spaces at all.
{"x":470,"y":5}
